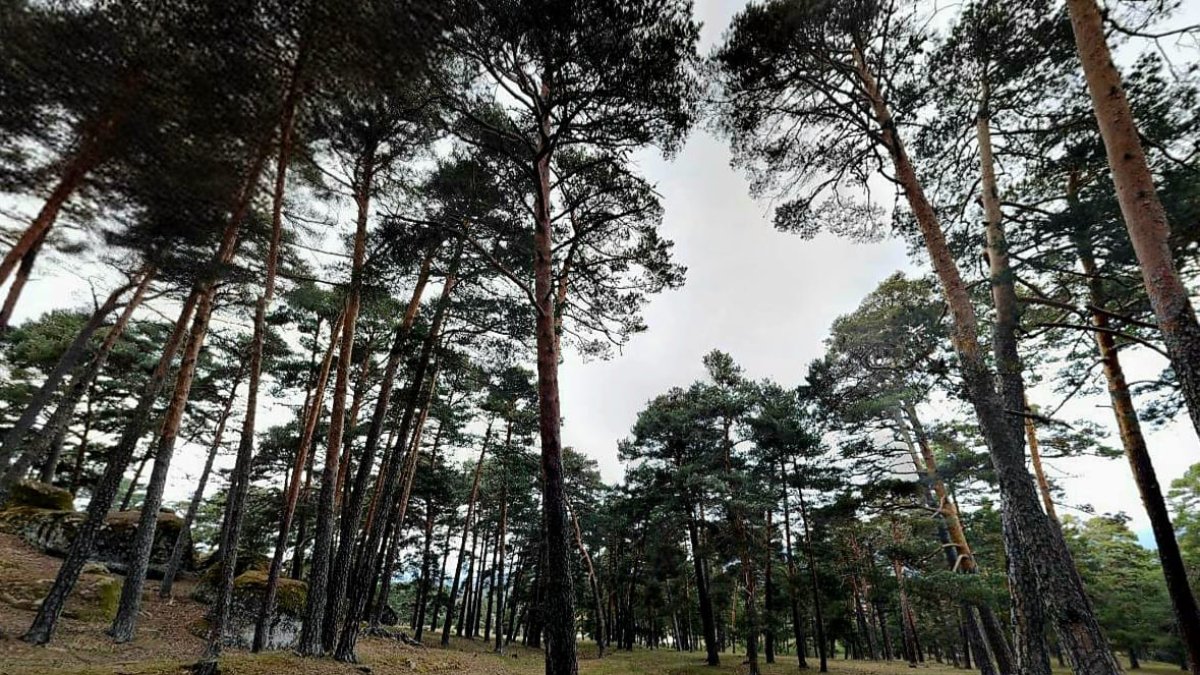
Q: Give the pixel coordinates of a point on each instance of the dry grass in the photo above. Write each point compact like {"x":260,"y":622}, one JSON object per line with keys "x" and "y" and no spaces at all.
{"x":164,"y":646}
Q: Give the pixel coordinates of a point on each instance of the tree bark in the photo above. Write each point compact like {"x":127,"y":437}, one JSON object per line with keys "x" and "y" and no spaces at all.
{"x":1039,"y":471}
{"x":172,"y":569}
{"x":18,"y":285}
{"x":1183,"y":601}
{"x":387,"y":563}
{"x":312,"y":640}
{"x":462,"y":544}
{"x":793,"y":579}
{"x":1050,"y":577}
{"x":367,"y":558}
{"x":125,"y":623}
{"x":594,"y":583}
{"x":93,"y":150}
{"x":498,"y":646}
{"x":812,"y":573}
{"x":262,"y":634}
{"x":1145,"y":218}
{"x":559,"y":604}
{"x":707,"y":619}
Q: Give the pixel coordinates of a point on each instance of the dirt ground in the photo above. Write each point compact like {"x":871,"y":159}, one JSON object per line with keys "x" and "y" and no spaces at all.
{"x":165,"y":646}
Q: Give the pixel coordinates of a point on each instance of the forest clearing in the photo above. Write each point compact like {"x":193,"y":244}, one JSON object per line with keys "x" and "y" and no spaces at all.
{"x":600,"y":336}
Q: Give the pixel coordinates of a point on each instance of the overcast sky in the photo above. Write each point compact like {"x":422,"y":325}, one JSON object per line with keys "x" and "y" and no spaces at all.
{"x":765,"y":297}
{"x":768,"y":298}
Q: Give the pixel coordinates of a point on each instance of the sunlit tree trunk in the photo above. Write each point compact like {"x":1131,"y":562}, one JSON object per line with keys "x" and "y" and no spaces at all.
{"x":1144,"y":216}
{"x":1048,"y":577}
{"x":184,"y":537}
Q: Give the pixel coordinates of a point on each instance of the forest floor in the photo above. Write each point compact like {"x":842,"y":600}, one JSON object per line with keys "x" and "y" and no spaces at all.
{"x":164,"y":645}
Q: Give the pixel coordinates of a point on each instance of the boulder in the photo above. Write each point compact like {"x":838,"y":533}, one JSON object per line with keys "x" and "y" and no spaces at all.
{"x":94,"y":598}
{"x":249,"y":591}
{"x":52,"y":531}
{"x":206,"y":586}
{"x":38,"y":495}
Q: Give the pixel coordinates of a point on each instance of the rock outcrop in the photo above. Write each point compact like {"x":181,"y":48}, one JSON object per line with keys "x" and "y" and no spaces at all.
{"x":40,"y":495}
{"x":249,"y":590}
{"x":51,"y":531}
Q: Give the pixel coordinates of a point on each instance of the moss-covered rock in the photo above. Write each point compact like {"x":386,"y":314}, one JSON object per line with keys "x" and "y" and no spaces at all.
{"x":249,"y":591}
{"x":94,"y":598}
{"x":206,"y":586}
{"x":40,"y":495}
{"x":52,"y":531}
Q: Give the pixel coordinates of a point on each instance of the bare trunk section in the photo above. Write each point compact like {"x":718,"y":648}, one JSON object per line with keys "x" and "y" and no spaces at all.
{"x":462,"y":544}
{"x":1039,"y":471}
{"x":374,"y":540}
{"x":352,"y":511}
{"x":1144,"y":215}
{"x":1183,"y":601}
{"x":387,"y":564}
{"x":92,"y":151}
{"x":594,"y":583}
{"x":559,"y":601}
{"x":1049,"y":577}
{"x":18,"y":285}
{"x":125,"y":623}
{"x":498,"y":647}
{"x":793,"y":578}
{"x":814,"y":584}
{"x":302,"y":460}
{"x":172,"y":569}
{"x":312,"y":641}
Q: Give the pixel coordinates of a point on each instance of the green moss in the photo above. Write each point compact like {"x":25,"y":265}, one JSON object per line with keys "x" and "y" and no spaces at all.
{"x":108,"y":597}
{"x":41,"y":495}
{"x":290,"y":594}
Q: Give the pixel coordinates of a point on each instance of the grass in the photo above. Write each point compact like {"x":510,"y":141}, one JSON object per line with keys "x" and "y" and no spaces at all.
{"x":164,"y":645}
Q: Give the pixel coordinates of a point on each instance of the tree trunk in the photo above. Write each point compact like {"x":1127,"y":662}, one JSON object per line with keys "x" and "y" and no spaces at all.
{"x":594,"y":583}
{"x":311,"y":417}
{"x":559,"y":601}
{"x":172,"y":569}
{"x":437,"y":599}
{"x":418,"y":622}
{"x":768,"y":592}
{"x":125,"y":623}
{"x":312,"y":640}
{"x":1049,"y":577}
{"x":812,"y":573}
{"x":240,"y":478}
{"x":14,"y":438}
{"x":399,"y":508}
{"x":793,"y":579}
{"x":498,"y":647}
{"x":1145,"y":218}
{"x":366,"y":560}
{"x":93,"y":150}
{"x":1183,"y":601}
{"x":462,"y":545}
{"x":707,"y":619}
{"x":1039,"y":471}
{"x":18,"y":285}
{"x":105,"y":492}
